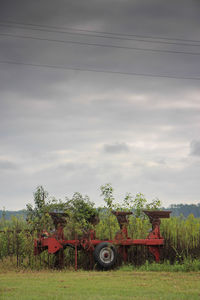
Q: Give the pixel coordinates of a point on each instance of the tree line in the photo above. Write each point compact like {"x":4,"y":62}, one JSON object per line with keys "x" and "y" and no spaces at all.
{"x":176,"y":209}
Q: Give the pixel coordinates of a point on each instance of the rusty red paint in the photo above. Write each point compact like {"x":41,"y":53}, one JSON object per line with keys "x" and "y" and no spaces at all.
{"x":56,"y":241}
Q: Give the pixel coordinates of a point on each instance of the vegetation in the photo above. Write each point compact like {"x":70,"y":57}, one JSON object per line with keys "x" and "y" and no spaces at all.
{"x":182,"y":235}
{"x":115,"y":285}
{"x":8,"y":214}
{"x":177,"y":210}
{"x":188,"y":265}
{"x":185,"y":209}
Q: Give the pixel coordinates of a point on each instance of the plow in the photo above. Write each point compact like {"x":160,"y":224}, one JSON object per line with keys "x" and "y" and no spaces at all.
{"x":104,"y":253}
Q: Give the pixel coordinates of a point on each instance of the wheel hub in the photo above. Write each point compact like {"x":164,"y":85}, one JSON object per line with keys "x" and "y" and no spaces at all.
{"x":106,"y":255}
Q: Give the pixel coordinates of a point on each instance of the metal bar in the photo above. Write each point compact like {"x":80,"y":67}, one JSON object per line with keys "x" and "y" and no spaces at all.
{"x":76,"y":254}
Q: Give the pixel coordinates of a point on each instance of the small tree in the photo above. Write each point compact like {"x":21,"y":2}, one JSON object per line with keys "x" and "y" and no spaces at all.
{"x":38,"y":216}
{"x":107,"y":193}
{"x":136,"y":205}
{"x":82,"y":213}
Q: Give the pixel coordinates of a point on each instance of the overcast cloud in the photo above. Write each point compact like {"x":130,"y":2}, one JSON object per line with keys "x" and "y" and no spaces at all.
{"x":74,"y":131}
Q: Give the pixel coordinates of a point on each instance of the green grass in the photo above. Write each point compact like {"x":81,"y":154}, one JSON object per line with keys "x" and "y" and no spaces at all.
{"x":188,"y":265}
{"x":112,"y":285}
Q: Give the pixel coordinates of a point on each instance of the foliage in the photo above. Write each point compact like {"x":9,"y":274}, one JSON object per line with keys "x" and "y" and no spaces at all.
{"x":81,"y":213}
{"x":107,"y":193}
{"x":177,"y":209}
{"x":185,"y":209}
{"x":182,"y":238}
{"x":7,"y":214}
{"x":81,"y":208}
{"x":38,"y":217}
{"x":136,"y":205}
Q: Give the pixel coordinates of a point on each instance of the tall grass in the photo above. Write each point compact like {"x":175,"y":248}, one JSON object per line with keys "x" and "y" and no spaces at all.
{"x":182,"y":242}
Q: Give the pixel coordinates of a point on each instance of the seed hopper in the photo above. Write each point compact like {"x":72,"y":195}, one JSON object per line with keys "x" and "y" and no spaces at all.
{"x":104,"y":252}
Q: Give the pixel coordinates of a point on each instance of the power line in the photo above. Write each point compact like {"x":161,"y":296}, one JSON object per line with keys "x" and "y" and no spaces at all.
{"x":102,"y":36}
{"x":102,"y":32}
{"x":101,"y":45}
{"x":99,"y":71}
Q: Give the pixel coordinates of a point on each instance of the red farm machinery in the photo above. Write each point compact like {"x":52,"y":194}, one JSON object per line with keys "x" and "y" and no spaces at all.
{"x":103,"y":252}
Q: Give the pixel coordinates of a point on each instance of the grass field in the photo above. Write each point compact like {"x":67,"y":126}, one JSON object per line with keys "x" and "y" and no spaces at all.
{"x":113,"y":285}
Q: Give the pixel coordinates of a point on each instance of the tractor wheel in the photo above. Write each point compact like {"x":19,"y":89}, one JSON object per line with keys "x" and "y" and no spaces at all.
{"x":105,"y":255}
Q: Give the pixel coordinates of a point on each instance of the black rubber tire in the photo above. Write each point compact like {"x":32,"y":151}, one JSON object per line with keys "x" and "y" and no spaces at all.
{"x":105,"y":255}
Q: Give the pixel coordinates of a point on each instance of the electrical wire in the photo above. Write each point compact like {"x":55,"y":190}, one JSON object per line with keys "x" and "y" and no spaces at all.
{"x":99,"y":71}
{"x":101,"y":32}
{"x":100,"y":45}
{"x":101,"y":36}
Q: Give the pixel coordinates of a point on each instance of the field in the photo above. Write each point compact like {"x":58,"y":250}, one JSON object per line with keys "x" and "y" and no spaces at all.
{"x":26,"y":276}
{"x":113,"y":285}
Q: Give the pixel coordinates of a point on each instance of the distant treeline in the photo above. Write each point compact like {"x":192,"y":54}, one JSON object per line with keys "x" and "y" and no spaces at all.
{"x":7,"y":214}
{"x":177,"y":210}
{"x":185,"y":210}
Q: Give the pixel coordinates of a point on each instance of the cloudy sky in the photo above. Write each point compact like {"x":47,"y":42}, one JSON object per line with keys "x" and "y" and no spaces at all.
{"x":94,"y":92}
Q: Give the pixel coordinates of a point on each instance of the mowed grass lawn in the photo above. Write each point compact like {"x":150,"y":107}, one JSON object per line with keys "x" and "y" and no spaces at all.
{"x":112,"y":285}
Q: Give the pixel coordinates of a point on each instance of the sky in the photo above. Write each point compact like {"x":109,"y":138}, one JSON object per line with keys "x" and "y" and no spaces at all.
{"x":95,"y":92}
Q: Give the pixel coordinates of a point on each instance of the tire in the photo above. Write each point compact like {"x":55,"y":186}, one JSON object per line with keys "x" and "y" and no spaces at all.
{"x":105,"y":255}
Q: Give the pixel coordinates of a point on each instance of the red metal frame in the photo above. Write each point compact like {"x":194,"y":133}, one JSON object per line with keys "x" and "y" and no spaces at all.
{"x":56,"y":241}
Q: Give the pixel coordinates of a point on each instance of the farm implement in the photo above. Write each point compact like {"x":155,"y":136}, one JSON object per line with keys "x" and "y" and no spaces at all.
{"x":104,"y":252}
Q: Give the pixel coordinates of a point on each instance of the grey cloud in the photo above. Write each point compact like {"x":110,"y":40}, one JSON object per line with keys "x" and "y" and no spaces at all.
{"x":73,"y":167}
{"x":195,"y":148}
{"x":88,"y":14}
{"x":43,"y":111}
{"x":7,"y":165}
{"x":106,"y":14}
{"x":116,"y":148}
